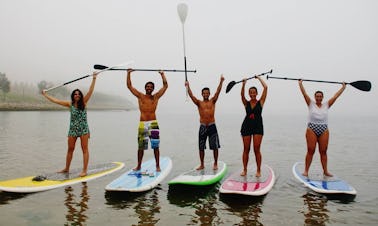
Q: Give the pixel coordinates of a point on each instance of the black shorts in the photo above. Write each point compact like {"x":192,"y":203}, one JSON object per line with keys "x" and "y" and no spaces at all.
{"x":211,"y":132}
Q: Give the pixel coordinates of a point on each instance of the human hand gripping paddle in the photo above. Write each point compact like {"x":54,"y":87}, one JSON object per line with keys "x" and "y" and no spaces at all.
{"x":104,"y":69}
{"x":232,"y":83}
{"x":361,"y":84}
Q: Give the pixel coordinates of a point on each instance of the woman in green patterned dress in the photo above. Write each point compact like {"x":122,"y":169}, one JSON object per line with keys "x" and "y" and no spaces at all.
{"x":78,"y":124}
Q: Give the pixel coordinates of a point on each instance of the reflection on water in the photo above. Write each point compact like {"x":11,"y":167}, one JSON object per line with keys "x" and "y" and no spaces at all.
{"x":5,"y":197}
{"x":248,"y":208}
{"x":76,"y":209}
{"x":203,"y":199}
{"x":316,"y":213}
{"x":146,"y":205}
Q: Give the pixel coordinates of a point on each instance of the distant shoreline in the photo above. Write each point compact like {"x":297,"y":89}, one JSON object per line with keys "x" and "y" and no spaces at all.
{"x":48,"y":107}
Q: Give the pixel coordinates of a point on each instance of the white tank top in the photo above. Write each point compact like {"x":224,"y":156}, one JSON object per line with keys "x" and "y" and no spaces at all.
{"x":318,"y":115}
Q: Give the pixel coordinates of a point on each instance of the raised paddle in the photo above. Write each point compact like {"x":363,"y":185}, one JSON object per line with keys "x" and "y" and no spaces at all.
{"x":182,"y":10}
{"x":101,"y":67}
{"x":85,"y":76}
{"x":361,"y":84}
{"x":232,"y":83}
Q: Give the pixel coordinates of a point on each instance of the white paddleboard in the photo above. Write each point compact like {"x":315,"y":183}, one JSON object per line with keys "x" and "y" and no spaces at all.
{"x":249,"y":184}
{"x":53,"y":180}
{"x":144,"y":179}
{"x":317,"y":182}
{"x":202,"y":177}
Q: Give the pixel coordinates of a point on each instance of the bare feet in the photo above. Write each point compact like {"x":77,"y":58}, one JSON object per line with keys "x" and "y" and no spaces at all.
{"x":258,"y":174}
{"x":305,"y":174}
{"x":136,"y":168}
{"x":215,"y":167}
{"x":158,"y":169}
{"x":244,"y":173}
{"x":63,"y":171}
{"x":83,"y":174}
{"x":201,"y":167}
{"x":328,"y":174}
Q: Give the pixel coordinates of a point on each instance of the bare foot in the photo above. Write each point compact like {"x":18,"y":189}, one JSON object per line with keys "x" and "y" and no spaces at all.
{"x":63,"y":171}
{"x":305,"y":174}
{"x":83,"y":174}
{"x":215,"y":167}
{"x":200,"y":167}
{"x":258,"y":174}
{"x":136,"y":168}
{"x":328,"y":174}
{"x":158,"y":169}
{"x":244,"y":173}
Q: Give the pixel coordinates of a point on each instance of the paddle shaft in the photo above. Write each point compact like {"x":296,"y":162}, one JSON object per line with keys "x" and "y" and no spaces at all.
{"x":66,"y":83}
{"x":309,"y":80}
{"x":268,"y":72}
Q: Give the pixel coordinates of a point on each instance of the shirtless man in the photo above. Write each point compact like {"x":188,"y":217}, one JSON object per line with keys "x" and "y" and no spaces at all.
{"x":206,"y":109}
{"x":148,"y":125}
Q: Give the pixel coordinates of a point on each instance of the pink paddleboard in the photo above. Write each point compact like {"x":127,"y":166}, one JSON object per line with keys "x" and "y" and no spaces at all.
{"x":249,"y":184}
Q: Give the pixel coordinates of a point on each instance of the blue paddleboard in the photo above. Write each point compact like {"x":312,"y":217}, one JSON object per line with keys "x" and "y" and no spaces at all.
{"x":317,"y":182}
{"x":144,"y":179}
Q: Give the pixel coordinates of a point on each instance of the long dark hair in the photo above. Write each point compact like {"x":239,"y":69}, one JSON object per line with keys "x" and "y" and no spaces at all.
{"x":80,"y":103}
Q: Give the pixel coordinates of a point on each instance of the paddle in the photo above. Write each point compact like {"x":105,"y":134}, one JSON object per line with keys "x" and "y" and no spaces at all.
{"x":232,"y":83}
{"x":105,"y":69}
{"x":182,"y":10}
{"x":361,"y":85}
{"x":101,"y":67}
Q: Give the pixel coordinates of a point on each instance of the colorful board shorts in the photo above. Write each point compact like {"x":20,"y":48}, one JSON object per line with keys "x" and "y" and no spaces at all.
{"x":148,"y":130}
{"x":211,"y":132}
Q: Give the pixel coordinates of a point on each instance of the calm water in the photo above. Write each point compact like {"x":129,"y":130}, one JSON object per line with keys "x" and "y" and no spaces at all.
{"x":35,"y":142}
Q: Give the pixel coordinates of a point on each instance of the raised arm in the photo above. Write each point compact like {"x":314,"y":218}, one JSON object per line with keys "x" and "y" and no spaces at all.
{"x":194,"y":99}
{"x":265,"y":90}
{"x":165,"y":85}
{"x":55,"y":100}
{"x":216,"y":95}
{"x":134,"y":91}
{"x":242,"y":93}
{"x":303,"y":91}
{"x":91,"y":88}
{"x":337,"y":94}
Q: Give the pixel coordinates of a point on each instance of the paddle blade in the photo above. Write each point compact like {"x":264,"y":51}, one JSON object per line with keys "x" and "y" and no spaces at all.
{"x":361,"y":85}
{"x":229,"y":86}
{"x":99,"y":67}
{"x":182,"y":10}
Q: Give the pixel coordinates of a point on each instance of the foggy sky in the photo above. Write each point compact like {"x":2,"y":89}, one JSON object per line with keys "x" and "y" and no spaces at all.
{"x":59,"y":41}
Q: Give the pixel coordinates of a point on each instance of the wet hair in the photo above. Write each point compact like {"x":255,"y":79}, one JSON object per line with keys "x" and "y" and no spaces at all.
{"x":319,"y":92}
{"x":253,"y":87}
{"x":80,"y":103}
{"x":206,"y":88}
{"x":147,"y":83}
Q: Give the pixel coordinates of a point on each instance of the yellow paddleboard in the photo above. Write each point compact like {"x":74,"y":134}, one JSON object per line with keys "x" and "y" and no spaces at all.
{"x":49,"y":181}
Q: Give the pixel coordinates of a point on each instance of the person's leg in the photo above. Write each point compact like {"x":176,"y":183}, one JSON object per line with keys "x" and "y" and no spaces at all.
{"x":311,"y":140}
{"x":246,"y":149}
{"x":157,"y":159}
{"x":202,"y":159}
{"x":323,"y":146}
{"x":84,"y":147}
{"x":257,"y":139}
{"x":215,"y":153}
{"x":71,"y":147}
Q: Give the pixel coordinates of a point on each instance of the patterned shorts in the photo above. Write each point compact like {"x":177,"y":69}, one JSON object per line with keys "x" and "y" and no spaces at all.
{"x":148,"y":130}
{"x":318,"y":129}
{"x":205,"y":132}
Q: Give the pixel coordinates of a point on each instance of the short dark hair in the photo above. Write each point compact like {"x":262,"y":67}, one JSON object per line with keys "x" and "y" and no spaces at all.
{"x":153,"y":85}
{"x":319,"y":92}
{"x":206,"y":88}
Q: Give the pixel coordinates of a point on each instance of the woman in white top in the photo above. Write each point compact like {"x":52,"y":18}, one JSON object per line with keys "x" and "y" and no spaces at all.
{"x":317,"y":127}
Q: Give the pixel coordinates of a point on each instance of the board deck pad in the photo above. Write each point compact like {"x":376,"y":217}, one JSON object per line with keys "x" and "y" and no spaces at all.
{"x":249,"y":184}
{"x":206,"y":176}
{"x":47,"y":181}
{"x":317,"y":182}
{"x":142,"y":180}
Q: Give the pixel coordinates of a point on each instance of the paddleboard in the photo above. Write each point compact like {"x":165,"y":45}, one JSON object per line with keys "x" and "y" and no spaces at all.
{"x":317,"y":182}
{"x":206,"y":176}
{"x":249,"y":184}
{"x":49,"y":181}
{"x":142,"y":180}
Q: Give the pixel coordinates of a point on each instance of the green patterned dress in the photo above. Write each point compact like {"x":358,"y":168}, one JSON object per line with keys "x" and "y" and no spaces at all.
{"x":78,"y":122}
